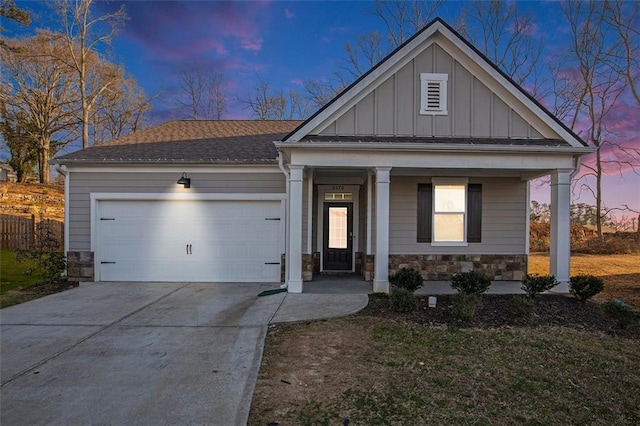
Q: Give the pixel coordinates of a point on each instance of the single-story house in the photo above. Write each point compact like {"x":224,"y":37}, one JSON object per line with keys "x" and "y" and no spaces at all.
{"x":424,"y":162}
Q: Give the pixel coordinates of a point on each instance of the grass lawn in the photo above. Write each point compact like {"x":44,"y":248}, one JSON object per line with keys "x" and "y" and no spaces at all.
{"x":17,"y":287}
{"x":12,"y":273}
{"x":377,"y":371}
{"x":383,"y":370}
{"x":620,"y":273}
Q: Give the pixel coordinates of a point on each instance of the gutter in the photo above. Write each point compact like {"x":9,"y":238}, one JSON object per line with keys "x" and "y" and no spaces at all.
{"x":60,"y":169}
{"x":435,"y":147}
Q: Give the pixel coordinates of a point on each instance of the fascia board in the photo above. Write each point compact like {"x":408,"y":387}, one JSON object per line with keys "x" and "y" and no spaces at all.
{"x":154,"y":168}
{"x":434,"y":160}
{"x":381,"y":146}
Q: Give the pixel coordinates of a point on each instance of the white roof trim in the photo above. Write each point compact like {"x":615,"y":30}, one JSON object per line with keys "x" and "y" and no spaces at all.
{"x":399,"y":59}
{"x":399,"y":146}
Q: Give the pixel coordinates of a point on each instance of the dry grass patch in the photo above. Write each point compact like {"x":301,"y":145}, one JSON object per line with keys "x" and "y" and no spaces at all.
{"x":621,"y":273}
{"x":380,"y":371}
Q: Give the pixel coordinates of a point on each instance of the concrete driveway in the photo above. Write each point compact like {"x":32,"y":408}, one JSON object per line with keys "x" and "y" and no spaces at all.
{"x":143,"y":353}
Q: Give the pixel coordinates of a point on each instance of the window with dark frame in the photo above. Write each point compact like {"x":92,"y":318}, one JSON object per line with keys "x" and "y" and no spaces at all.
{"x":472,"y":214}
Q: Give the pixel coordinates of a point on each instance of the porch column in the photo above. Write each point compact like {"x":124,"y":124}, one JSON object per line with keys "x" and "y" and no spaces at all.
{"x":294,"y":257}
{"x":560,"y":250}
{"x":381,"y":279}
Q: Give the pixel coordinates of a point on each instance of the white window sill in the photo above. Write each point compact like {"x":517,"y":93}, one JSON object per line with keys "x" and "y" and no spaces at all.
{"x":449,"y":244}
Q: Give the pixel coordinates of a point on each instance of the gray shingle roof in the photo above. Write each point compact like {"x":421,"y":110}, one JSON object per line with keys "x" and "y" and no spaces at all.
{"x":192,"y":141}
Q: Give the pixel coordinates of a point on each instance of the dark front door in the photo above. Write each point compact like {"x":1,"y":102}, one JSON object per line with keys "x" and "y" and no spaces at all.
{"x":338,"y":237}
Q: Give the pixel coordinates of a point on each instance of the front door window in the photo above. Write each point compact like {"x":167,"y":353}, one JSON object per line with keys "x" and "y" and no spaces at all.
{"x":338,"y":227}
{"x":338,"y":237}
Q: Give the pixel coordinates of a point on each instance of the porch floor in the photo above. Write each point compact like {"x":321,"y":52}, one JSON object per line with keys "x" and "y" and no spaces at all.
{"x":355,"y":284}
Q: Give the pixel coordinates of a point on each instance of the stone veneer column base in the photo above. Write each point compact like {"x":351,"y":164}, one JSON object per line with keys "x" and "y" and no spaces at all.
{"x":308,"y":265}
{"x":441,"y":267}
{"x":80,"y":266}
{"x":368,"y":267}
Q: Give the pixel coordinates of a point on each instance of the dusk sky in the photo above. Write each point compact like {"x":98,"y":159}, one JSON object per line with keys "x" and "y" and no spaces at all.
{"x":286,"y":43}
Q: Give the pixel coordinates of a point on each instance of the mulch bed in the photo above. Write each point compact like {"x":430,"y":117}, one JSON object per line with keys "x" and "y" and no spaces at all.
{"x":550,"y":310}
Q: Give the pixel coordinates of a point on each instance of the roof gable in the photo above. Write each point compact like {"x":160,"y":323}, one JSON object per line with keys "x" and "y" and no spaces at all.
{"x":385,"y":101}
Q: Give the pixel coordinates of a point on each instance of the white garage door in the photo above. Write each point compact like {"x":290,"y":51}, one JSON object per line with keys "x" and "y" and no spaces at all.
{"x":203,"y":241}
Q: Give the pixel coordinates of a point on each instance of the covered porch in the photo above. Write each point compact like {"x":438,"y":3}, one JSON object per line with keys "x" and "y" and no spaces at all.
{"x":371,"y":200}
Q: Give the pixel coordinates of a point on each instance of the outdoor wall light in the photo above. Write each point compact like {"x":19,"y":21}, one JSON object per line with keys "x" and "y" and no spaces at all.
{"x":184,"y":180}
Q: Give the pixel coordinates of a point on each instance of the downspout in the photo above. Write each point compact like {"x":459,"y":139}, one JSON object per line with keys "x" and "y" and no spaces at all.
{"x":286,"y":217}
{"x":577,"y":160}
{"x":64,"y":172}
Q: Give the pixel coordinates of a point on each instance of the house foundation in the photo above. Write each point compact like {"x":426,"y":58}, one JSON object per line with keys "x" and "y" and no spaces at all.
{"x":442,"y":267}
{"x":80,"y":266}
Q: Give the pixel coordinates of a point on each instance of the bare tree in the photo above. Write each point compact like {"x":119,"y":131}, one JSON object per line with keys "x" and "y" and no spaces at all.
{"x":507,"y":37}
{"x":41,"y":90}
{"x":402,"y":19}
{"x":624,"y":16}
{"x":84,"y":32}
{"x":9,"y":10}
{"x":405,"y":18}
{"x":120,"y":110}
{"x":203,"y":93}
{"x":599,"y":58}
{"x":265,"y":104}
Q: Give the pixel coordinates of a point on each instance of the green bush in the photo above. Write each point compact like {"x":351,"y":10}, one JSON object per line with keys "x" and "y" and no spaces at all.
{"x":520,"y":308}
{"x":621,"y":313}
{"x":584,"y":287}
{"x":473,"y":283}
{"x":534,"y":284}
{"x":465,"y":306}
{"x":403,"y":300}
{"x":407,"y":278}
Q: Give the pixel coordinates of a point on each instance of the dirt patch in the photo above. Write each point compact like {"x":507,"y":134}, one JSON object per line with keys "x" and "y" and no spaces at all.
{"x":14,"y":297}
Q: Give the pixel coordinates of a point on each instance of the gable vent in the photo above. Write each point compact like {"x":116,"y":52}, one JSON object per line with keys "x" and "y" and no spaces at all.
{"x":433,"y":94}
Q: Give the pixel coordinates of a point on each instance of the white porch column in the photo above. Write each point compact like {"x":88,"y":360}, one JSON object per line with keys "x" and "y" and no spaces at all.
{"x":560,"y":250}
{"x":294,"y":256}
{"x":381,"y":279}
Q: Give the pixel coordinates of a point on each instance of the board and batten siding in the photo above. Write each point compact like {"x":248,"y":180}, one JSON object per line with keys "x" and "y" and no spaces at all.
{"x":392,"y":108}
{"x":504,"y":218}
{"x":82,"y":184}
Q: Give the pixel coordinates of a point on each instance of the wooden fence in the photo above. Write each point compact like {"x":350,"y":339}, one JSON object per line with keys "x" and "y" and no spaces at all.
{"x":17,"y":232}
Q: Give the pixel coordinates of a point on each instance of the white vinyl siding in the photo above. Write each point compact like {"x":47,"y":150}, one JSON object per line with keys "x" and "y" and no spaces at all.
{"x":82,"y":184}
{"x":504,"y":218}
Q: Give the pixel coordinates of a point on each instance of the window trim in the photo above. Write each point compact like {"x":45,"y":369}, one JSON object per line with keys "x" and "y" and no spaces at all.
{"x":441,"y":80}
{"x":435,"y":182}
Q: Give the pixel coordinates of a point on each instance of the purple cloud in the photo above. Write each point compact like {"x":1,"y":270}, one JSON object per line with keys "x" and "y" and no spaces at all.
{"x":289,"y":14}
{"x":175,"y":30}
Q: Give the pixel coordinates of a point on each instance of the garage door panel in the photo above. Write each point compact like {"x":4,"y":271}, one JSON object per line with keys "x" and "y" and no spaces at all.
{"x":229,"y":240}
